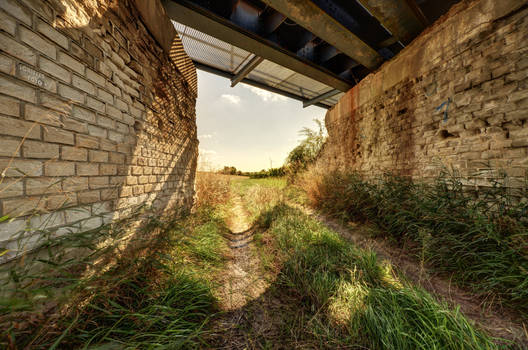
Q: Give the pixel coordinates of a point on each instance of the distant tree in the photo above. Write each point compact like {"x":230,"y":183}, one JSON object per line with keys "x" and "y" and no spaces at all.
{"x":308,"y":150}
{"x":229,"y":170}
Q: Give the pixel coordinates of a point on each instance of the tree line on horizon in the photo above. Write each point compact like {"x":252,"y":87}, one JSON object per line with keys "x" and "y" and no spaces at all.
{"x":304,"y":154}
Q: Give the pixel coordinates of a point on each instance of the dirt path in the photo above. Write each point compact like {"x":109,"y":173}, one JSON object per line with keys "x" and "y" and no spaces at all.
{"x":499,"y":323}
{"x":243,"y":279}
{"x":242,"y":283}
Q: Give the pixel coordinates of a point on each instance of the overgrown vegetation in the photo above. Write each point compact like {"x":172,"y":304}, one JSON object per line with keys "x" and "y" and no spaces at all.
{"x":308,"y":149}
{"x":155,"y":291}
{"x":481,"y":241}
{"x":157,"y":288}
{"x":335,"y":295}
{"x":212,"y":189}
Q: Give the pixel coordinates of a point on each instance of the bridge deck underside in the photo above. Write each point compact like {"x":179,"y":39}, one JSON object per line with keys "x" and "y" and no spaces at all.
{"x":310,"y":50}
{"x":209,"y":51}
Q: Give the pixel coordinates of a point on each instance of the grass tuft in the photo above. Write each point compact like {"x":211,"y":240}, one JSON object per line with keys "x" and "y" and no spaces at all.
{"x":480,"y":238}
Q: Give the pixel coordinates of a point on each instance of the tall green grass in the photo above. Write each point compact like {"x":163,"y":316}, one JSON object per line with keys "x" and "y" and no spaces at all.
{"x":156,"y":293}
{"x":481,"y":239}
{"x":347,"y":298}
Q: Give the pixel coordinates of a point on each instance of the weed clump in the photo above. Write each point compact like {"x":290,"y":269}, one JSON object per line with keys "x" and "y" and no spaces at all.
{"x":352,"y":299}
{"x":482,"y":240}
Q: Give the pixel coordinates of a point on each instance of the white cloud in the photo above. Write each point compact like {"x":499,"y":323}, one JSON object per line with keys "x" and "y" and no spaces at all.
{"x":205,"y":136}
{"x":207,"y":160}
{"x":266,"y":96}
{"x":206,"y":152}
{"x":234,"y":99}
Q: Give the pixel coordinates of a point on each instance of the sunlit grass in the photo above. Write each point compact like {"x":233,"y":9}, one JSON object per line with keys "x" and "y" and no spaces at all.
{"x":481,"y":240}
{"x":351,"y":299}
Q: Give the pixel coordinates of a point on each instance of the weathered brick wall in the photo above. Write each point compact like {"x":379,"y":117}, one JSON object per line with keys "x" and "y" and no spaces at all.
{"x":95,"y":117}
{"x":474,"y":63}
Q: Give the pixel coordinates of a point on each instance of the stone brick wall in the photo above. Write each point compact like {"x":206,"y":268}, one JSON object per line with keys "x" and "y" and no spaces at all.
{"x":457,"y":96}
{"x":96,"y":118}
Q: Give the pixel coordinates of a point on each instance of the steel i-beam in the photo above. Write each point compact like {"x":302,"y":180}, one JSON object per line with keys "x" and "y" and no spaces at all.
{"x":185,"y":13}
{"x":311,"y":17}
{"x":320,"y":98}
{"x":252,"y":64}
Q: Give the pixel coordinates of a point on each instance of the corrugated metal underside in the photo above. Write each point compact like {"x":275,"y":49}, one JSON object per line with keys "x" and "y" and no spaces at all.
{"x":211,"y":52}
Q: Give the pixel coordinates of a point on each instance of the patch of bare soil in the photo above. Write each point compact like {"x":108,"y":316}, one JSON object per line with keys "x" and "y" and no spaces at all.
{"x":498,"y":322}
{"x":243,"y":286}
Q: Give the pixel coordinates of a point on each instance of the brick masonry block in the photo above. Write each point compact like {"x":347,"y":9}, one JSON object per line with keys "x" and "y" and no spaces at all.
{"x":16,"y":127}
{"x":95,"y":104}
{"x":107,"y":145}
{"x":11,"y":188}
{"x":7,"y":65}
{"x":21,"y":167}
{"x":9,"y":106}
{"x":97,"y":78}
{"x":61,"y":201}
{"x":42,"y":115}
{"x":97,"y":131}
{"x":117,"y":158}
{"x":87,"y":141}
{"x":108,"y":169}
{"x":84,"y":114}
{"x":10,"y":148}
{"x":59,"y":169}
{"x":37,"y":42}
{"x":75,"y":184}
{"x":109,"y":194}
{"x":98,"y":182}
{"x":105,"y":96}
{"x":17,"y":11}
{"x":22,"y":206}
{"x":56,"y":135}
{"x":56,"y":103}
{"x":83,"y":84}
{"x":89,"y":197}
{"x":98,"y":156}
{"x":74,"y":125}
{"x":7,"y":23}
{"x":35,"y":149}
{"x":82,"y":55}
{"x":18,"y":89}
{"x":54,"y":69}
{"x":71,"y":63}
{"x":52,"y":34}
{"x":74,"y":153}
{"x":87,"y":169}
{"x":43,"y":185}
{"x":71,"y":93}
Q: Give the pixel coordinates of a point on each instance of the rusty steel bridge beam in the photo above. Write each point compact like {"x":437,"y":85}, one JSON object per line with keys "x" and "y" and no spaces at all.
{"x":398,"y":17}
{"x":186,"y":13}
{"x":309,"y":16}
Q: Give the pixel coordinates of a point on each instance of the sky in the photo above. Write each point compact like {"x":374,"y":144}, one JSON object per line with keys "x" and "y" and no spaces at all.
{"x":247,"y":127}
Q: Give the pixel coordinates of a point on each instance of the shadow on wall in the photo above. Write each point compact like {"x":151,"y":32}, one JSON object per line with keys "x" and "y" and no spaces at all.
{"x":110,"y":134}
